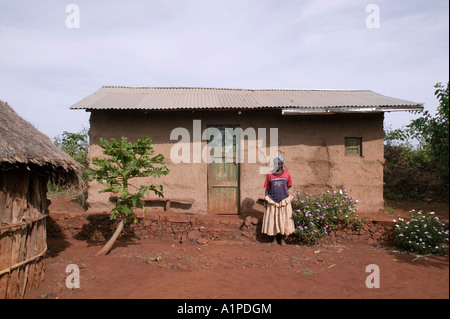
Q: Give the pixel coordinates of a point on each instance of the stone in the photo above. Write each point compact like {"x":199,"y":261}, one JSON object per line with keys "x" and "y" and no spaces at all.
{"x":202,"y":241}
{"x":203,"y":229}
{"x":376,"y":236}
{"x":366,"y":236}
{"x":194,"y":234}
{"x":184,"y":237}
{"x":178,"y":218}
{"x":247,"y":234}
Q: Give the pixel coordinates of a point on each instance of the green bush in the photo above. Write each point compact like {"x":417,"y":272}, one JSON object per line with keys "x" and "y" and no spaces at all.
{"x":316,"y":214}
{"x":424,"y":234}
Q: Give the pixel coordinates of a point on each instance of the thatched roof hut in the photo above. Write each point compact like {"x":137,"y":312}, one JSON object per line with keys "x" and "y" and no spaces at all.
{"x":28,"y":160}
{"x":22,"y":146}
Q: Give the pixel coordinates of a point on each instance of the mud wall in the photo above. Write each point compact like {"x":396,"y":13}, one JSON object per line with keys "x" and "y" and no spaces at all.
{"x":313,"y":148}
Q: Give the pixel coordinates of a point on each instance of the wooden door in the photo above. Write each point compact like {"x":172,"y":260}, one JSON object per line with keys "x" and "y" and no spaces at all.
{"x":223,"y":171}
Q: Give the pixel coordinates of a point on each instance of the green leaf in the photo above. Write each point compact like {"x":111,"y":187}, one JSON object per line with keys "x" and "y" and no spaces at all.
{"x":124,"y":161}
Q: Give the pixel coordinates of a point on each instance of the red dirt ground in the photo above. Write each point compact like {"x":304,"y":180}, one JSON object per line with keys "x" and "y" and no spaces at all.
{"x":234,"y":269}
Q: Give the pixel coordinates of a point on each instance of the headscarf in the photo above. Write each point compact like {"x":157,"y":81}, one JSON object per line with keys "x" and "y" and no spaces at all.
{"x":277,"y":159}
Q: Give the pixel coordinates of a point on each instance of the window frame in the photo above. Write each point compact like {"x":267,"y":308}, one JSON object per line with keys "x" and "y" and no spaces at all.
{"x":358,"y":146}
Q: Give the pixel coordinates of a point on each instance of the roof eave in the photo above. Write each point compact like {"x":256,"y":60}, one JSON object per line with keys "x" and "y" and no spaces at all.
{"x":334,"y":110}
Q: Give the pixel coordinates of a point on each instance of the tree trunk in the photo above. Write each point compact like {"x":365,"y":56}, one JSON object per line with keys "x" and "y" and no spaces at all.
{"x":105,"y":250}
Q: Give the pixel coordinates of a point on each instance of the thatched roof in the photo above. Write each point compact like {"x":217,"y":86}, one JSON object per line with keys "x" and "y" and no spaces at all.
{"x":22,"y":146}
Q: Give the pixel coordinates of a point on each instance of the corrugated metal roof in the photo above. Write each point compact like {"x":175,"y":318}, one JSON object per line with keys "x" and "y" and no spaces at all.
{"x":175,"y":98}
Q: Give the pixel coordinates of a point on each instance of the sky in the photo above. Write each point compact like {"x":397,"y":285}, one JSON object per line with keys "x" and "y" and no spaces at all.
{"x":52,"y":55}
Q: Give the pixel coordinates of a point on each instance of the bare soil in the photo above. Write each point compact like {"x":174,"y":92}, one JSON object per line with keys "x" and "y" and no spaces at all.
{"x":241,"y":269}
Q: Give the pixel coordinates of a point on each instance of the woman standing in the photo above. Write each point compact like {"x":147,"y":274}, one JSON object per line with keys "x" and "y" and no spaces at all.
{"x":277,"y":218}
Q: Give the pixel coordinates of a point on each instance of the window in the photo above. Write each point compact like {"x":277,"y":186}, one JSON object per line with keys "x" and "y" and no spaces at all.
{"x":353,"y":146}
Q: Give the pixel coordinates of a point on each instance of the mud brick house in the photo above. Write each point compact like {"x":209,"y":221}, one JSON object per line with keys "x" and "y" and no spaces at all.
{"x":220,"y":143}
{"x":28,"y":160}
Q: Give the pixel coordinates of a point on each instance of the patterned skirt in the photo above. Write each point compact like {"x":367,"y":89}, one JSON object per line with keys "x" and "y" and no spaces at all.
{"x":278,"y":217}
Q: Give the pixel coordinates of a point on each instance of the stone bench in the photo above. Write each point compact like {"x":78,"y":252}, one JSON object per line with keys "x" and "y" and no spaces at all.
{"x":167,"y":201}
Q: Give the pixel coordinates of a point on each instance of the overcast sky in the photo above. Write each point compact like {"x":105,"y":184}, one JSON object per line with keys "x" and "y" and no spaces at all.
{"x":46,"y":67}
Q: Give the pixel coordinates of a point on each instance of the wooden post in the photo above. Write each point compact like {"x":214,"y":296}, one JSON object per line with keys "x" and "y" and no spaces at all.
{"x":167,"y":207}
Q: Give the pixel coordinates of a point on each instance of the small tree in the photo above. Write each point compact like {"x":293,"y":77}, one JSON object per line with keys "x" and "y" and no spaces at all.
{"x":75,"y":145}
{"x":125,"y":161}
{"x":420,"y":171}
{"x":432,"y":132}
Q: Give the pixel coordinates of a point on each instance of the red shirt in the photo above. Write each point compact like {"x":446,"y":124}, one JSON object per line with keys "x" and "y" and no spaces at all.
{"x":277,"y":185}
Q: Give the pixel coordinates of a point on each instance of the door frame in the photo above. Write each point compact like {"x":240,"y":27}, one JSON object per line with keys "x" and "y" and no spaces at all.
{"x":238,"y":173}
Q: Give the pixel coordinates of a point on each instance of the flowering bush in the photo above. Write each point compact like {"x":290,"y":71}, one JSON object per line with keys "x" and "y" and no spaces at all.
{"x":316,"y":214}
{"x":424,"y":234}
